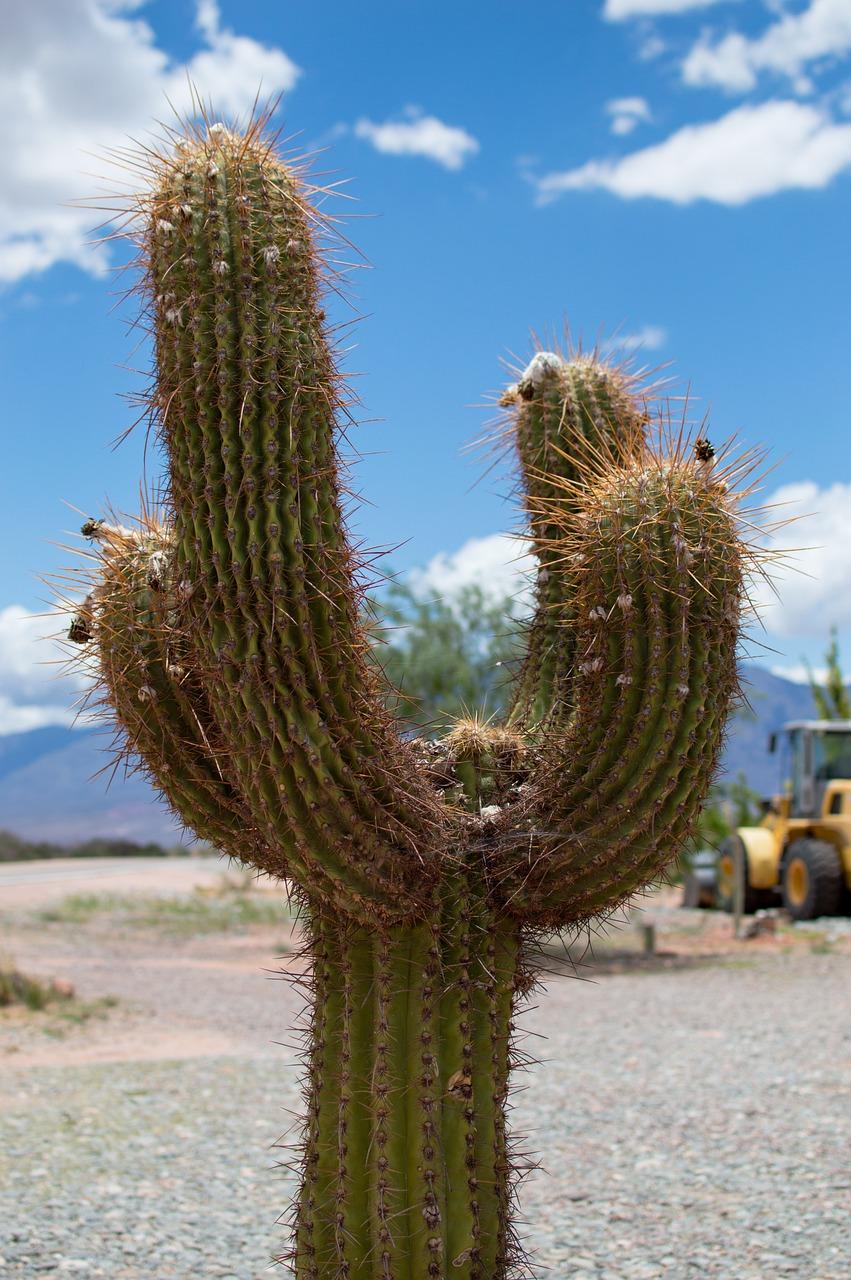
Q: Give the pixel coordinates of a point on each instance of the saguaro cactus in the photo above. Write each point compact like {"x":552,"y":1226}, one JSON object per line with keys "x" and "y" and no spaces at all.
{"x":231,"y":651}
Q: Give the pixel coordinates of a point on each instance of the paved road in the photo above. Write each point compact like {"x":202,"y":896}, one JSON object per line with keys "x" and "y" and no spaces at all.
{"x":35,"y":884}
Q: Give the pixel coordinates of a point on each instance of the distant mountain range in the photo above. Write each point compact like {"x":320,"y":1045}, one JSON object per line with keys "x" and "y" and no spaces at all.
{"x":49,"y":791}
{"x":773,"y":701}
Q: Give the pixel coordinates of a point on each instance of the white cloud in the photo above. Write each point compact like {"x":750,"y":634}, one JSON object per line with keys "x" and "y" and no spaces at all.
{"x":750,"y":152}
{"x":619,"y":10}
{"x":21,"y":717}
{"x":500,"y":564}
{"x":33,"y":689}
{"x":420,"y":135}
{"x":811,"y":577}
{"x":626,"y":113}
{"x":80,"y":76}
{"x":798,"y":673}
{"x":652,"y":46}
{"x":822,"y":30}
{"x":649,"y":338}
{"x":812,"y":586}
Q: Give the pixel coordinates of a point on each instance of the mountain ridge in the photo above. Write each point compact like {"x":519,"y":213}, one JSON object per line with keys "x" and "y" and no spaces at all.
{"x":55,"y":783}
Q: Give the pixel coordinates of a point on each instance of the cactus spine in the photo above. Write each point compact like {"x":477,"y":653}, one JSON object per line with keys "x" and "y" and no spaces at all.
{"x":232,"y":656}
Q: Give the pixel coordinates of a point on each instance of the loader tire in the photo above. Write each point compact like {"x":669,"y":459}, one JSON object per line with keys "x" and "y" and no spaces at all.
{"x":752,"y":899}
{"x":813,"y":883}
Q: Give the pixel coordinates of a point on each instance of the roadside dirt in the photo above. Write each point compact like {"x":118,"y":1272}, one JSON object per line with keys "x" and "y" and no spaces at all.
{"x":184,"y":997}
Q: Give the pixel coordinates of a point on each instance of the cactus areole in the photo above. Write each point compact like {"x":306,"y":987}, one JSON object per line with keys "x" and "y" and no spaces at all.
{"x":232,"y":654}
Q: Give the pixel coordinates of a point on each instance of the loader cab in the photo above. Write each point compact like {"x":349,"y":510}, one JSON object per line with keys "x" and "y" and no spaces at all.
{"x":814,"y":753}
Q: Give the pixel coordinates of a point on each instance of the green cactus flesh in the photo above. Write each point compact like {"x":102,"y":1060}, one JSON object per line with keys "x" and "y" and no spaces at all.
{"x":406,"y":1167}
{"x":234,"y":662}
{"x":573,"y":417}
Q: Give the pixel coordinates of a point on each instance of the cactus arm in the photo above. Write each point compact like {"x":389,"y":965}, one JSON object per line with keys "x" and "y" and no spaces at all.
{"x":566,"y":417}
{"x":652,"y":557}
{"x":154,"y":696}
{"x":160,"y":705}
{"x":247,"y":399}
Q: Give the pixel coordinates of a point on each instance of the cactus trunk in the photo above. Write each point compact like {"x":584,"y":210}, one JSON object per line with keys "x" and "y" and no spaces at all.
{"x":406,"y":1170}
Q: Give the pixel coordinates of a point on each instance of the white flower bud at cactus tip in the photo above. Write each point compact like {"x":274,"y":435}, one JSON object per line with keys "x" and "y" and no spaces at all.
{"x":543,"y":365}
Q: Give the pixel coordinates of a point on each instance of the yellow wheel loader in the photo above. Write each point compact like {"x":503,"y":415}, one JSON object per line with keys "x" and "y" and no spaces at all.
{"x":800,"y":854}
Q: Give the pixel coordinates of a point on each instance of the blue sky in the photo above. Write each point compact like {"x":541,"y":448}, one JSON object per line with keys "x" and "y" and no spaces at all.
{"x":674,"y":171}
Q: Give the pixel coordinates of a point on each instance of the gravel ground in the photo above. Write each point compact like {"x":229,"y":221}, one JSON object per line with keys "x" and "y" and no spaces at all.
{"x":692,"y":1123}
